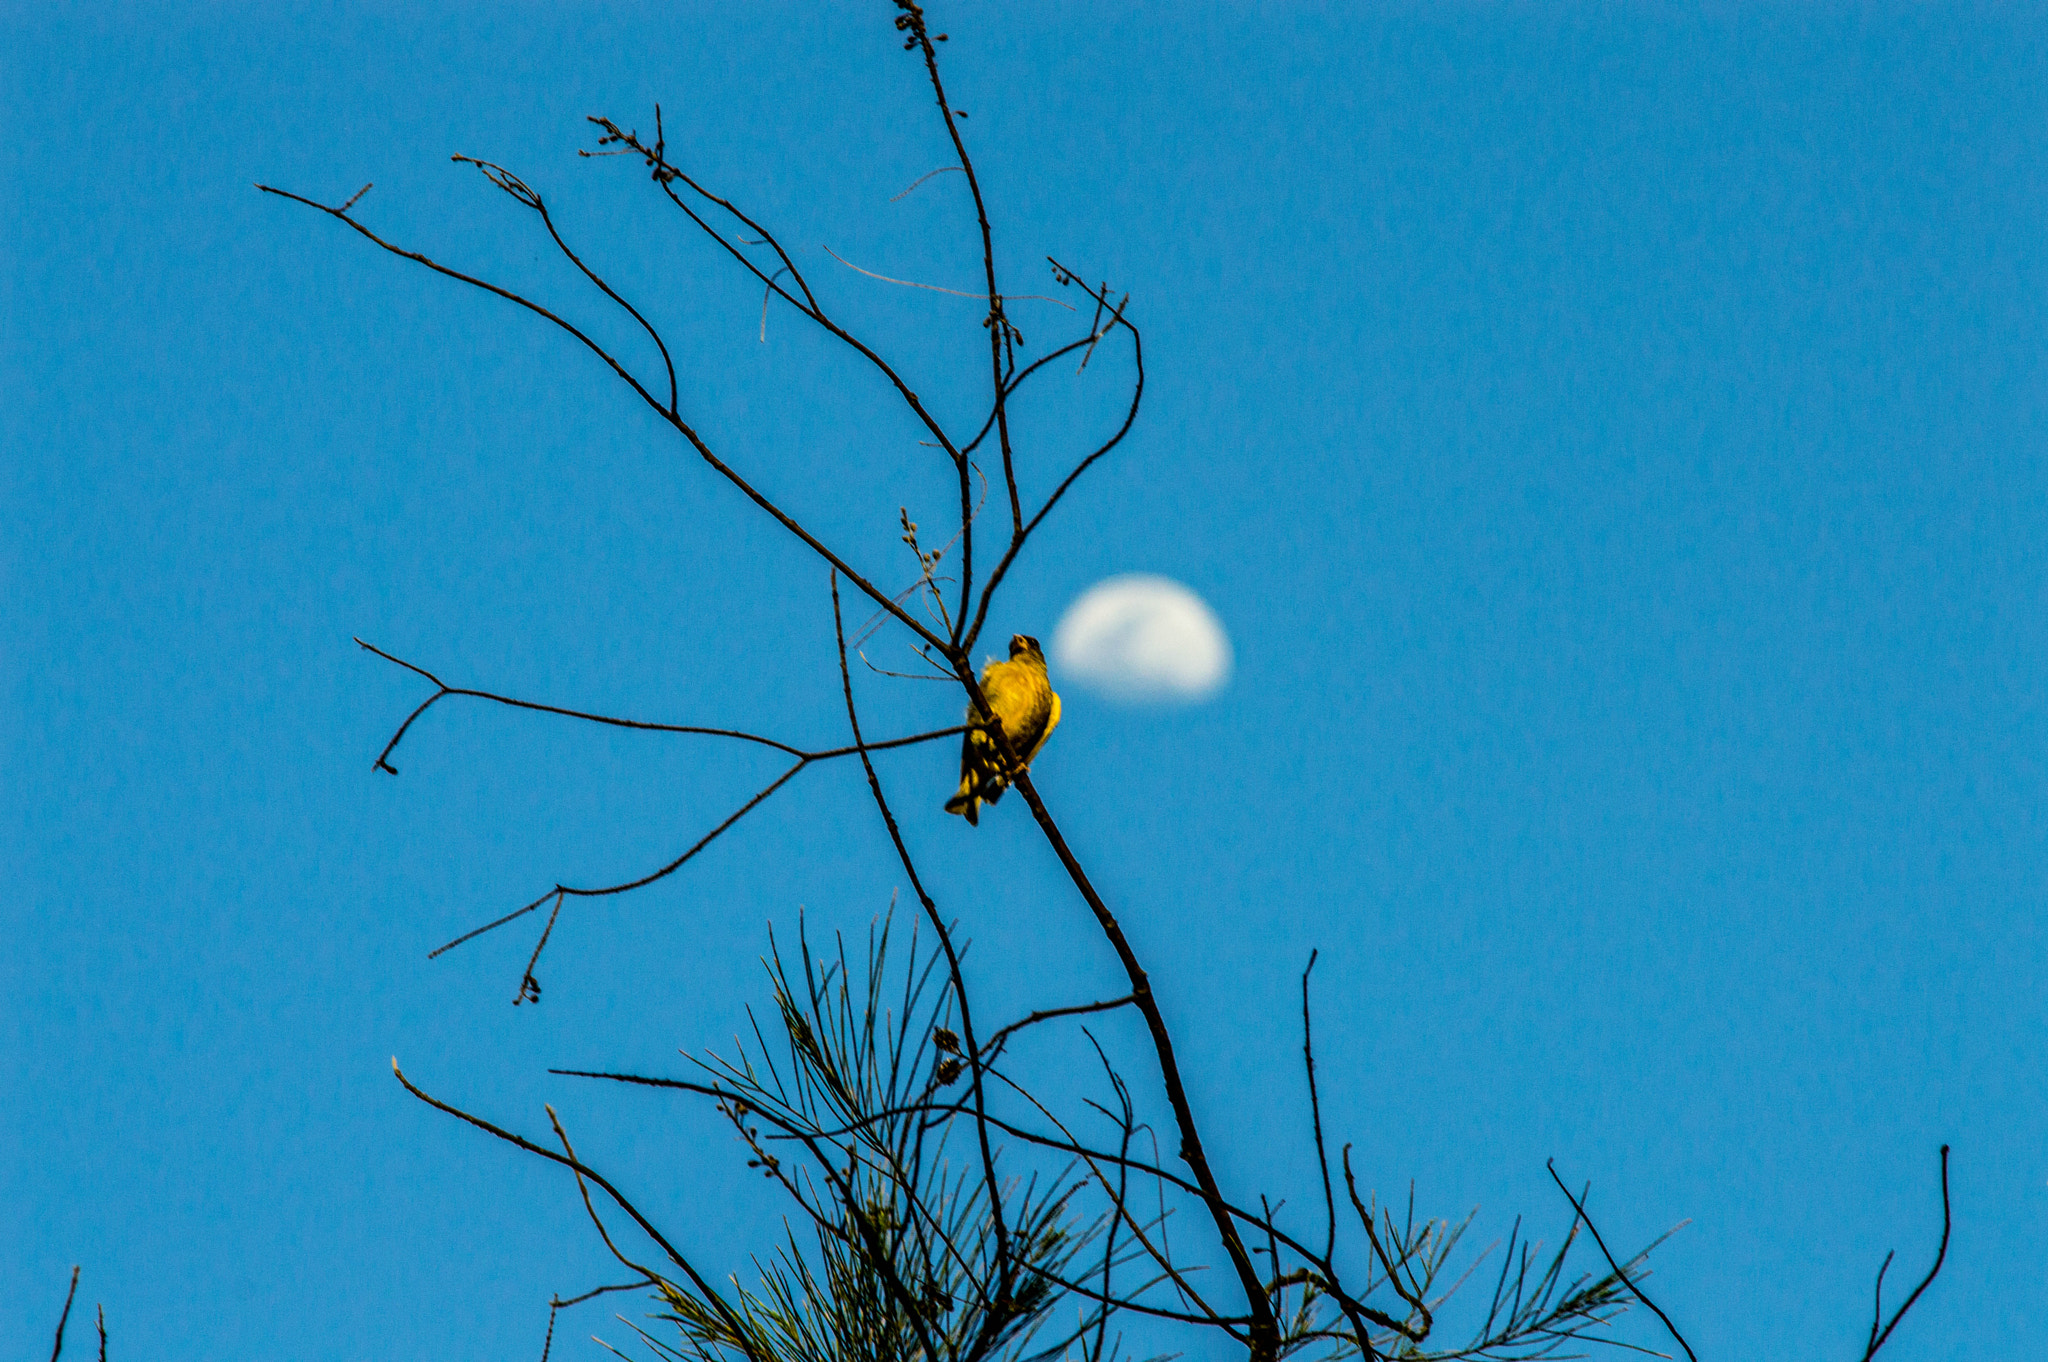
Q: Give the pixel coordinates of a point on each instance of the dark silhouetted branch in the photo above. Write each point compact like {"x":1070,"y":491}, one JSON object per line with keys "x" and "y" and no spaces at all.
{"x":682,"y":427}
{"x":525,"y":194}
{"x":1027,"y":528}
{"x":1005,"y":1272}
{"x":1315,"y":1107}
{"x":1264,"y":1328}
{"x":1878,"y":1337}
{"x":582,"y":1170}
{"x":445,"y":690}
{"x":1579,"y":1208}
{"x":995,"y":1042}
{"x":65,"y":1318}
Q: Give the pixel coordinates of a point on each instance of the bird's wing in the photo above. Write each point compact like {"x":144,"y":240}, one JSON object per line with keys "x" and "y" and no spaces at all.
{"x":1052,"y":721}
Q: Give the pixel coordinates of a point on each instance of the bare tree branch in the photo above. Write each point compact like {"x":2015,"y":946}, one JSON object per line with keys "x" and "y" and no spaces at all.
{"x":583,"y":1170}
{"x":1877,"y":1337}
{"x":1579,"y":1207}
{"x":926,"y":1254}
{"x":525,"y":194}
{"x":1264,"y":1329}
{"x":1315,"y":1106}
{"x":444,"y":691}
{"x":996,"y":1042}
{"x":1005,"y":1272}
{"x":65,"y":1318}
{"x":681,"y":426}
{"x":1026,"y":530}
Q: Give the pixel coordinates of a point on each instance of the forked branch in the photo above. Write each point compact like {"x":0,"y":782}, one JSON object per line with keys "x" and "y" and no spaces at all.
{"x":1579,"y":1208}
{"x":583,"y":1170}
{"x":625,"y":375}
{"x":1879,"y":1336}
{"x":992,"y":1186}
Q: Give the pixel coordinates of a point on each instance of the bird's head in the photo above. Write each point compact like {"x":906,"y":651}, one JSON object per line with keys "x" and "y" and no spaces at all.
{"x":1023,"y":645}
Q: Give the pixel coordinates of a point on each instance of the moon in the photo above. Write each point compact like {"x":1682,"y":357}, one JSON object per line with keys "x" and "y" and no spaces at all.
{"x":1144,"y":639}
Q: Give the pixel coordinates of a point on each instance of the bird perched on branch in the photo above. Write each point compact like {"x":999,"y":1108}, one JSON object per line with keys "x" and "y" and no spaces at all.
{"x":1022,"y":698}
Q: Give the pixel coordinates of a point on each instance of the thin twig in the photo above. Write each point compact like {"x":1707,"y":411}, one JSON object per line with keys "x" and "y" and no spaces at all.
{"x":921,"y":179}
{"x":1941,"y":1254}
{"x":1265,"y":1329}
{"x":644,"y":880}
{"x":934,"y":288}
{"x":642,"y":725}
{"x":65,"y":1318}
{"x":527,"y":195}
{"x":589,"y":1208}
{"x":766,"y":294}
{"x":1579,"y":1207}
{"x":1005,"y":1263}
{"x":1877,"y":1310}
{"x":668,"y":414}
{"x":1315,"y":1107}
{"x":995,"y":1042}
{"x":1403,"y":1289}
{"x":804,"y":759}
{"x":667,"y":174}
{"x":1028,"y":528}
{"x":704,"y":1288}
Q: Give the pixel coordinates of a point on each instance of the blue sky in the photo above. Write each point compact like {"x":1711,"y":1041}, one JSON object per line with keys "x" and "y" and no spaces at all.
{"x":1609,"y":435}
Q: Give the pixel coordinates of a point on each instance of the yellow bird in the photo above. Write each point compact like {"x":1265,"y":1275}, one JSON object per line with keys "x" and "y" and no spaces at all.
{"x":1022,"y":697}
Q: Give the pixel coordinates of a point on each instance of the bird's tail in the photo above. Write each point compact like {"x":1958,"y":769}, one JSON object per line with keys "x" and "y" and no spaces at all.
{"x":967,"y":803}
{"x":982,"y":778}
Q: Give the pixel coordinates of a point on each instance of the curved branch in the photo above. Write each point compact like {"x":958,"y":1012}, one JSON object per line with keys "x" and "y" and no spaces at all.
{"x":803,"y":760}
{"x":1265,"y":1329}
{"x":704,"y":1288}
{"x":557,"y":1305}
{"x":682,"y":427}
{"x":996,"y":1316}
{"x":341,"y":215}
{"x":645,"y":880}
{"x":589,"y":1208}
{"x":525,"y":194}
{"x":1877,"y":1339}
{"x":667,"y":174}
{"x":1017,"y":381}
{"x":640,"y":725}
{"x":995,"y":1042}
{"x":1024,"y":533}
{"x":920,"y":180}
{"x":65,"y":1318}
{"x":1315,"y":1106}
{"x":912,"y":20}
{"x":934,"y":288}
{"x":1579,"y":1207}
